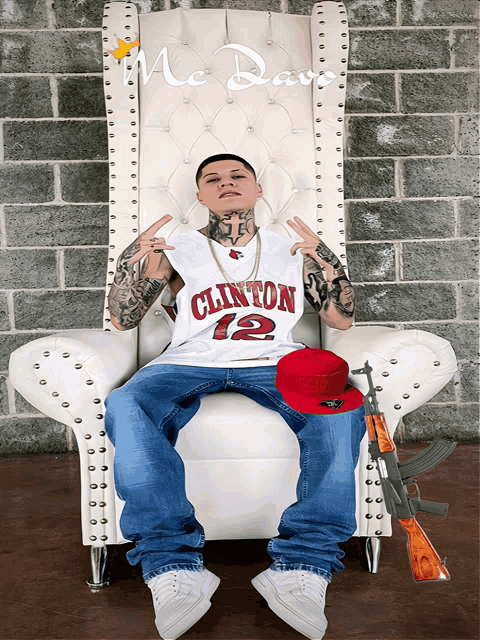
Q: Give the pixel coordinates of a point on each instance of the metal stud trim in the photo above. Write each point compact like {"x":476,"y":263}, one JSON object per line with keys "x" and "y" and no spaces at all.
{"x":118,"y":21}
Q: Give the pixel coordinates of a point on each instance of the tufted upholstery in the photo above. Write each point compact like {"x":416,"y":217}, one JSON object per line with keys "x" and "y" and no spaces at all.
{"x":158,"y":135}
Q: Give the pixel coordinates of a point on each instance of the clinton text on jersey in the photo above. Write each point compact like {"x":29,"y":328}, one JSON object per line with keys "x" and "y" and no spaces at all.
{"x":264,"y":295}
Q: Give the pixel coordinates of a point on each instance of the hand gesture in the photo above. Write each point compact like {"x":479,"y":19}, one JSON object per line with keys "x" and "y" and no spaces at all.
{"x":146,"y":243}
{"x":315,"y":248}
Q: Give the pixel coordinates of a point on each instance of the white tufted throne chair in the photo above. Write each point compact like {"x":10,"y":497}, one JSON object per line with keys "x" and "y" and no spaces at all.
{"x":158,"y":135}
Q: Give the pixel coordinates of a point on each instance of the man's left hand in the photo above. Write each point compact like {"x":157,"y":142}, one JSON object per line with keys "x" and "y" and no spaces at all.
{"x":310,"y":246}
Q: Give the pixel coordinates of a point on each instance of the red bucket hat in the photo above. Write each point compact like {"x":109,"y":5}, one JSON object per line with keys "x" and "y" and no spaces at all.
{"x":316,"y":381}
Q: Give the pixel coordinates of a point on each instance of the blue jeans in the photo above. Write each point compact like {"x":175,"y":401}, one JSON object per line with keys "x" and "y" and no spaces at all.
{"x":143,"y":419}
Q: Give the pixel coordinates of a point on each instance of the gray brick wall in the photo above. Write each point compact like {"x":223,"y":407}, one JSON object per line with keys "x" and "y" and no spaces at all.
{"x":411,"y":186}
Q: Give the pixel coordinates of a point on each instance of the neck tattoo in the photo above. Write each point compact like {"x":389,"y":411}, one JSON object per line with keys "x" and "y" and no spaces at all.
{"x":232,"y":227}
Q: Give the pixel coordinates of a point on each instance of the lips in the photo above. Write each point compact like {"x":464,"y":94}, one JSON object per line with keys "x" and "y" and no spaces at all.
{"x":235,"y":193}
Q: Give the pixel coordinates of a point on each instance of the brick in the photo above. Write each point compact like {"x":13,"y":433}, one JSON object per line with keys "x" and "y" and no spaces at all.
{"x":439,"y":92}
{"x":400,"y":135}
{"x":74,"y":140}
{"x":54,"y":225}
{"x":400,"y":220}
{"x":370,"y":93}
{"x":88,"y":14}
{"x":469,"y":388}
{"x":465,"y":48}
{"x":435,"y":13}
{"x":447,"y":260}
{"x":468,"y":217}
{"x":370,"y":13}
{"x":434,"y":177}
{"x":84,"y":182}
{"x":59,"y":309}
{"x":23,"y":406}
{"x":469,"y":135}
{"x":24,"y":269}
{"x":4,"y":410}
{"x":468,"y":300}
{"x":24,"y":436}
{"x":85,"y":267}
{"x":451,"y":421}
{"x":81,"y":97}
{"x":361,"y":13}
{"x":26,"y":183}
{"x":371,"y":262}
{"x":24,"y":14}
{"x":11,"y":342}
{"x":25,"y":98}
{"x":461,"y":335}
{"x":369,"y":179}
{"x":394,"y":49}
{"x":404,"y":302}
{"x":51,"y":52}
{"x":4,"y":319}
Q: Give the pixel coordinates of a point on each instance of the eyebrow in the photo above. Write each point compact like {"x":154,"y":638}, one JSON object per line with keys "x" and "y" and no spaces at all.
{"x":231,"y":171}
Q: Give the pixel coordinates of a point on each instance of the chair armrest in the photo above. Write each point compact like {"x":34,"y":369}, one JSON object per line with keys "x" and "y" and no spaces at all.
{"x":66,"y":368}
{"x":410,"y":366}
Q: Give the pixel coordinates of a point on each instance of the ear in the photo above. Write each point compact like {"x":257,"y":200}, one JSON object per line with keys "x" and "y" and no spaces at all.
{"x":259,"y":191}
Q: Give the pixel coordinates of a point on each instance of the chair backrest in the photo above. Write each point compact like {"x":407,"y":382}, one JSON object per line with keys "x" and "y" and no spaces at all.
{"x":161,"y":127}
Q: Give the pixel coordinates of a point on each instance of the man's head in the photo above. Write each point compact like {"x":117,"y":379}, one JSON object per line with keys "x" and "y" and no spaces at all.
{"x":225,"y":172}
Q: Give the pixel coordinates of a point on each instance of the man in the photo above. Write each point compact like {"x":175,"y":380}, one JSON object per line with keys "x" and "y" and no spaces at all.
{"x":239,"y":291}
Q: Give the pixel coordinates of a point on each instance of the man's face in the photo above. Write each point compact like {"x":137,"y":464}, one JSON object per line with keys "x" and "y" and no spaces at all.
{"x":227,"y":175}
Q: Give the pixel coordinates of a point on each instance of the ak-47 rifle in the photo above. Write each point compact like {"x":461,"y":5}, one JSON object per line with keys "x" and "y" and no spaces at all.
{"x":424,"y":560}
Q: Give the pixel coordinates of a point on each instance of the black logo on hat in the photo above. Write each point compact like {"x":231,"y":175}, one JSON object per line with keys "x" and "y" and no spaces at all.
{"x":331,"y":404}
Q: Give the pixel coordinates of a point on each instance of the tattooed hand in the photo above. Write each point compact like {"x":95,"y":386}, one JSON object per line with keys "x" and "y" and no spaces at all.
{"x":314,"y":247}
{"x":129,"y":299}
{"x":140,"y":247}
{"x":322,"y":293}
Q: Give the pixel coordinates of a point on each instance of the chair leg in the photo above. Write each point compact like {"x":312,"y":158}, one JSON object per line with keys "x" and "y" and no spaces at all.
{"x":373,"y":548}
{"x":99,"y":561}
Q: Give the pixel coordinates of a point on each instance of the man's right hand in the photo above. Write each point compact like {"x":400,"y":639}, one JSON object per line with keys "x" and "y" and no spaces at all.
{"x":146,"y":243}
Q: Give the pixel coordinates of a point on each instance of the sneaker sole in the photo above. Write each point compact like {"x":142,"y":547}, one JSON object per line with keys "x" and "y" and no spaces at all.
{"x":267,"y":589}
{"x":195,"y":612}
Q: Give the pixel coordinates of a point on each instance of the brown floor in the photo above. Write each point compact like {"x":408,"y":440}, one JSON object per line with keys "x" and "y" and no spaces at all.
{"x":44,"y":566}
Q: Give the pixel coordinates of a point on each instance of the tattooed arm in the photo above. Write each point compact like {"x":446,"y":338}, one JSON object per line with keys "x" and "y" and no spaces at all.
{"x":130,"y":299}
{"x":331,"y":296}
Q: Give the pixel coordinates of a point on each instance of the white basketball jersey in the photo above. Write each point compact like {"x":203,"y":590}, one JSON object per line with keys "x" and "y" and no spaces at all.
{"x":218,"y":325}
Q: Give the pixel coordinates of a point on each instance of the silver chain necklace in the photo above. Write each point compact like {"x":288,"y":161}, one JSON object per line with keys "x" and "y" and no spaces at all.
{"x":252,"y":276}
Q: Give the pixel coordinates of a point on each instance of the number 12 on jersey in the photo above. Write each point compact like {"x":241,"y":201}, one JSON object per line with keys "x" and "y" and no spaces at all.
{"x":250,"y":332}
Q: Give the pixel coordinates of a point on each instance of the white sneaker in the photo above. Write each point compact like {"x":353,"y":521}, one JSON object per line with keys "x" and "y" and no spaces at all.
{"x":297,"y":597}
{"x":180,"y":599}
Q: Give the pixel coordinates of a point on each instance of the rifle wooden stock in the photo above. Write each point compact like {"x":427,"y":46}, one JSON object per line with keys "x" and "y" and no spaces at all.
{"x":424,"y":560}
